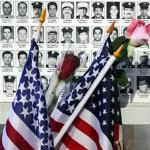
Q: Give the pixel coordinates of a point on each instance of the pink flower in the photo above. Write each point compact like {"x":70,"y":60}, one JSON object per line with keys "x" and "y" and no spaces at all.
{"x":138,"y":33}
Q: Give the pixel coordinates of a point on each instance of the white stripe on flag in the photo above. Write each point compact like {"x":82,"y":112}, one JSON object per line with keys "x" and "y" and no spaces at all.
{"x":63,"y":147}
{"x":82,"y":138}
{"x":59,"y":116}
{"x":7,"y":143}
{"x":25,"y":132}
{"x":88,"y":117}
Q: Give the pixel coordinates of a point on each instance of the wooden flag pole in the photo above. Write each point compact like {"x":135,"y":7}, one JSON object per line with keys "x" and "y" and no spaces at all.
{"x":90,"y":91}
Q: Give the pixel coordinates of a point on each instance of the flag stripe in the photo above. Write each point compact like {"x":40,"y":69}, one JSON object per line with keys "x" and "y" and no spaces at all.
{"x":63,"y":147}
{"x":55,"y":125}
{"x":19,"y":141}
{"x":94,"y":123}
{"x":6,"y":142}
{"x":88,"y":130}
{"x":1,"y":145}
{"x":71,"y":143}
{"x":26,"y":133}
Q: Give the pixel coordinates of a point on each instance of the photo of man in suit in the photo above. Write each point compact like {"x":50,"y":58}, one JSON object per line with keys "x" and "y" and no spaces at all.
{"x":98,"y":10}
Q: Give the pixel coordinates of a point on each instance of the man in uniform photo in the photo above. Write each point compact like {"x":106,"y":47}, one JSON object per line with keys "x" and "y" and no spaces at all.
{"x":9,"y":85}
{"x":67,"y":10}
{"x":67,"y":34}
{"x":52,"y":10}
{"x":98,"y":10}
{"x":144,"y":9}
{"x":128,"y":10}
{"x":52,"y":35}
{"x":82,"y":8}
{"x":37,"y":9}
{"x":7,"y":10}
{"x":83,"y":35}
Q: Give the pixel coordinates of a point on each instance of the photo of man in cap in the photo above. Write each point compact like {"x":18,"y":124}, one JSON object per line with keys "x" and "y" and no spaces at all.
{"x":128,"y":8}
{"x":67,"y":10}
{"x":52,"y":35}
{"x":7,"y":34}
{"x":143,"y":61}
{"x":7,"y":10}
{"x":98,"y":10}
{"x":97,"y":35}
{"x":82,"y":9}
{"x":37,"y":9}
{"x":83,"y":35}
{"x":52,"y":10}
{"x":144,"y":10}
{"x":22,"y":9}
{"x":113,"y":10}
{"x":7,"y":57}
{"x":51,"y":59}
{"x":9,"y":85}
{"x":67,"y":35}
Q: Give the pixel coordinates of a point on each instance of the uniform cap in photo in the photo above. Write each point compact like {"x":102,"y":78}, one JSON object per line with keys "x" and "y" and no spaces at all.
{"x":98,"y":5}
{"x":67,"y":29}
{"x":82,"y":29}
{"x":52,"y":30}
{"x":52,"y":54}
{"x":82,"y":5}
{"x":37,"y":4}
{"x":144,"y":5}
{"x":67,"y":4}
{"x":9,"y":78}
{"x":128,"y":5}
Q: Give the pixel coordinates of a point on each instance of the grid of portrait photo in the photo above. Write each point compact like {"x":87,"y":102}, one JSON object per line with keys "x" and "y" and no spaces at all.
{"x":71,"y":26}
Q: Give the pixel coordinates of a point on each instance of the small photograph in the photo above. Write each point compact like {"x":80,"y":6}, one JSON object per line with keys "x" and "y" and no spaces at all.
{"x":7,"y":10}
{"x":143,"y":61}
{"x":98,"y":10}
{"x":7,"y":34}
{"x":84,"y":58}
{"x":7,"y":59}
{"x":128,"y":10}
{"x":129,"y":62}
{"x":52,"y":59}
{"x":44,"y":81}
{"x":34,"y":31}
{"x":143,"y":9}
{"x":82,"y":36}
{"x":97,"y":34}
{"x":114,"y":34}
{"x":67,"y":11}
{"x":36,"y":10}
{"x":22,"y":58}
{"x":67,"y":35}
{"x":40,"y":59}
{"x":128,"y":89}
{"x":82,"y":10}
{"x":143,"y":84}
{"x":9,"y":85}
{"x":52,"y":34}
{"x":22,"y":34}
{"x":22,"y":10}
{"x":53,"y":11}
{"x":113,"y":10}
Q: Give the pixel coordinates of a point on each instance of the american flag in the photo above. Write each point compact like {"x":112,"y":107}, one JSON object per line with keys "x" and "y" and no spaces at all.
{"x":27,"y":126}
{"x":98,"y":126}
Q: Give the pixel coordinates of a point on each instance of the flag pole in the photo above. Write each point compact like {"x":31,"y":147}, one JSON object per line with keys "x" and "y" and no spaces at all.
{"x":41,"y":21}
{"x":91,"y":89}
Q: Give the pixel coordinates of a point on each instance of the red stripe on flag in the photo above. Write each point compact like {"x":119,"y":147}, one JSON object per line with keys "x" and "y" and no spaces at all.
{"x":16,"y":138}
{"x":88,"y":130}
{"x":55,"y":126}
{"x":71,"y":144}
{"x":116,"y":132}
{"x":1,"y":145}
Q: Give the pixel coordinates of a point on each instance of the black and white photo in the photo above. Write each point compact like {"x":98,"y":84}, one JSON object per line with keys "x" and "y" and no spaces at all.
{"x":22,"y":34}
{"x":98,"y":10}
{"x":52,"y":8}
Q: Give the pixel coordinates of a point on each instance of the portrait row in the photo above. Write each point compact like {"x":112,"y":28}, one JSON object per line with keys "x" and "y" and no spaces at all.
{"x":55,"y":34}
{"x":75,"y":10}
{"x":142,"y":85}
